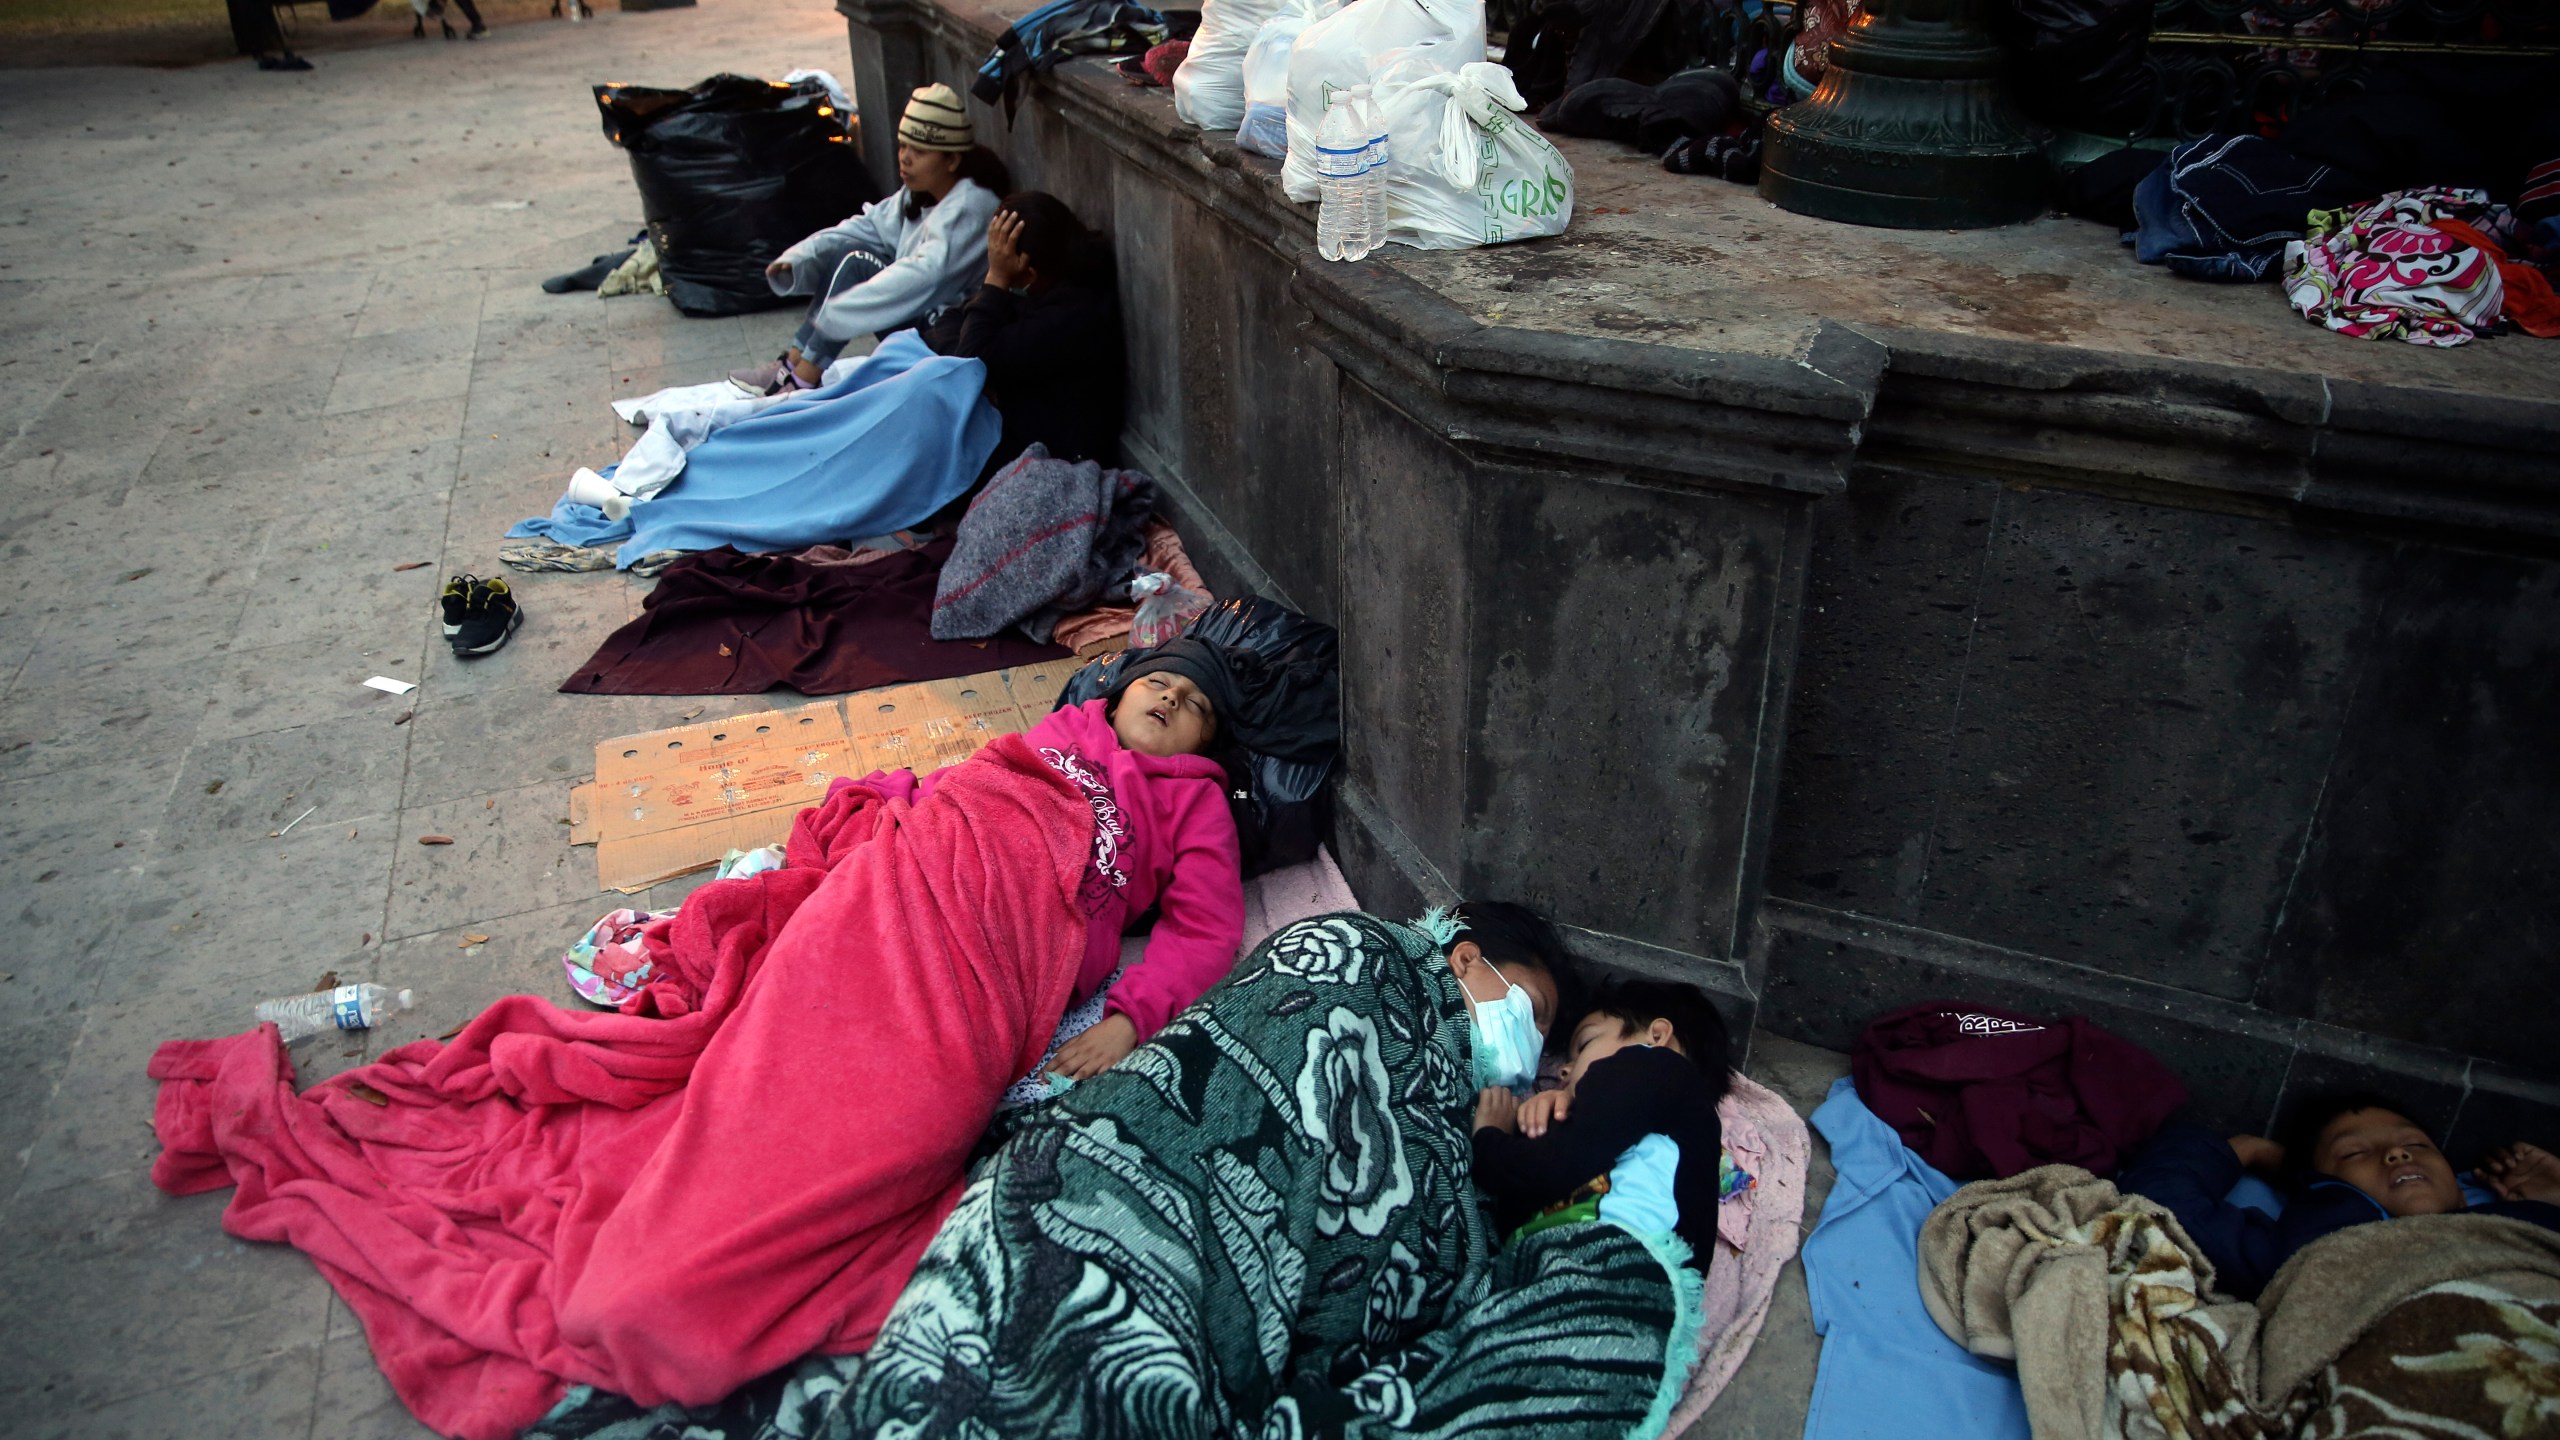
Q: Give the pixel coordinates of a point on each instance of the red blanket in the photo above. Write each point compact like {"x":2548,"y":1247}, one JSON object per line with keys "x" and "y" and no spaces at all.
{"x":667,"y":1205}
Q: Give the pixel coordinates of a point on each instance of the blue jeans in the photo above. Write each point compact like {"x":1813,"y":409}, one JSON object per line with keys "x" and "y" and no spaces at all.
{"x":846,"y":265}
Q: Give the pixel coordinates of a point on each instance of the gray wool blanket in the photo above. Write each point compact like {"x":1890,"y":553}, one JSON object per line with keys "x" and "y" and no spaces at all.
{"x":1044,"y":539}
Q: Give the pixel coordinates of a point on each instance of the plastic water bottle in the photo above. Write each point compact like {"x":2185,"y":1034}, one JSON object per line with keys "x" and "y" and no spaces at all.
{"x":349,"y":1007}
{"x":1343,"y":229}
{"x":1374,"y":179}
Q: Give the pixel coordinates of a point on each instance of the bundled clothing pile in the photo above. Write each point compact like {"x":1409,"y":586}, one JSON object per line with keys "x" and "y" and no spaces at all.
{"x":1691,"y":104}
{"x":1979,"y":1091}
{"x":2225,"y":207}
{"x":903,"y":433}
{"x":2102,"y":1301}
{"x":2433,"y":1325}
{"x":823,"y":621}
{"x":1045,"y":538}
{"x":2426,"y":266}
{"x":1061,"y":28}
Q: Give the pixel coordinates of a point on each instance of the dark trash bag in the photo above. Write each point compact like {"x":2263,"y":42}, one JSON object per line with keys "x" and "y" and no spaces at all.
{"x":731,"y":173}
{"x":1289,"y":806}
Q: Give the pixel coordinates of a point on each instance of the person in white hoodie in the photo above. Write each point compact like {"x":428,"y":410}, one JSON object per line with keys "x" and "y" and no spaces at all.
{"x":904,"y":258}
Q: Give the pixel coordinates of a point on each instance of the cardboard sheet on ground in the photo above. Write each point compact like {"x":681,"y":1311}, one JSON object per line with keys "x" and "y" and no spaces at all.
{"x":671,"y":802}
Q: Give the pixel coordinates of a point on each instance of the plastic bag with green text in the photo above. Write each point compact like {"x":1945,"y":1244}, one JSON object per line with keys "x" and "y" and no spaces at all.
{"x":1467,"y":168}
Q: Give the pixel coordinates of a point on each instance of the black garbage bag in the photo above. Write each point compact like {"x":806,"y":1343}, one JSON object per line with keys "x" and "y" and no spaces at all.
{"x":2080,"y":63}
{"x":1284,"y":807}
{"x":731,"y":173}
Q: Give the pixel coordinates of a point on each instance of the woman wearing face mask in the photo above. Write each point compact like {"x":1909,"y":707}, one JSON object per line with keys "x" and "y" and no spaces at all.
{"x":1513,"y":971}
{"x":1274,"y":1186}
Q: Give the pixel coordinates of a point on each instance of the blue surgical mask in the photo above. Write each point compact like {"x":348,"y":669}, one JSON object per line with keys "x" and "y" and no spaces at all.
{"x":1505,"y":1036}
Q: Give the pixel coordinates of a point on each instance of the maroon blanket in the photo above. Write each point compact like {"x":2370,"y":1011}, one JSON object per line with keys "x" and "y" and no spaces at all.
{"x":1980,"y":1092}
{"x":723,"y":623}
{"x":669,"y":1205}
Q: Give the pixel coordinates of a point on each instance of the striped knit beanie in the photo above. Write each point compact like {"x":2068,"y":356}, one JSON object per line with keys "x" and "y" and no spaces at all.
{"x":935,"y":121}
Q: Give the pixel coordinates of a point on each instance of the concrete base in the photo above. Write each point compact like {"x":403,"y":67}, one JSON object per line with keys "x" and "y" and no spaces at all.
{"x":1842,"y":618}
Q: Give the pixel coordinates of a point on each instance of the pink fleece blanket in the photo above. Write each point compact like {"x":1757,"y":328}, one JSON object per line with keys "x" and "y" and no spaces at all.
{"x":668,"y":1207}
{"x":1770,"y":1141}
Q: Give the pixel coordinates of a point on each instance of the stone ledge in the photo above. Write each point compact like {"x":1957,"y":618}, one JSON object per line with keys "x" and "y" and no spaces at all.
{"x":1806,"y":387}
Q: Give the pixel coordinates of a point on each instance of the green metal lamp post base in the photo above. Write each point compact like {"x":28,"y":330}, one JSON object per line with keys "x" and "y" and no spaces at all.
{"x":1911,"y":128}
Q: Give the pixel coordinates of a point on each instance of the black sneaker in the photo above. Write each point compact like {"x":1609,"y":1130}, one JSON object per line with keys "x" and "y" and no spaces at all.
{"x":490,"y":617}
{"x":457,"y":603}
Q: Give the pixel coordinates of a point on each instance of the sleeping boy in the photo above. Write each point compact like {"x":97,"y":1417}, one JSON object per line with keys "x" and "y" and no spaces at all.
{"x":2346,"y":1159}
{"x":1632,"y":1137}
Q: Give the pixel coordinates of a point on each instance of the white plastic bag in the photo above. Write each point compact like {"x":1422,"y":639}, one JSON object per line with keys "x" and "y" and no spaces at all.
{"x":1352,"y":46}
{"x":1208,"y":87}
{"x":1467,"y":169}
{"x":1265,"y":129}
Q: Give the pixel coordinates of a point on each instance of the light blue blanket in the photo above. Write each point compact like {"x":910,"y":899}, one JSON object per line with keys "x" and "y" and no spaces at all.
{"x":1887,"y":1371}
{"x":902,"y":434}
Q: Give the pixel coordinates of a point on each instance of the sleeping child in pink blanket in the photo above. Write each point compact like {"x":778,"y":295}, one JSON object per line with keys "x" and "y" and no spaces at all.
{"x":672,"y":1198}
{"x":1153,"y":739}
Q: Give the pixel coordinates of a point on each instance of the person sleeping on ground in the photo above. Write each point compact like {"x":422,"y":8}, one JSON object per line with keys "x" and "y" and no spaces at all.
{"x":1632,"y":1137}
{"x":739,"y":1168}
{"x":2345,"y":1159}
{"x":1047,"y":324}
{"x":1584,"y":1324}
{"x":1260,"y":1223}
{"x":899,"y":261}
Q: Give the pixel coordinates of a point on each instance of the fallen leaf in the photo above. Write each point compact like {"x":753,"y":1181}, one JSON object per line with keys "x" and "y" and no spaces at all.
{"x":435,"y":839}
{"x":351,"y":834}
{"x":689,"y":714}
{"x":133,"y":575}
{"x":492,"y":805}
{"x":456,"y":1030}
{"x":367,"y":940}
{"x":411,"y":565}
{"x":368,"y":1094}
{"x":49,"y":874}
{"x":214,"y":789}
{"x":405,"y":717}
{"x":328,"y":981}
{"x":475,"y":938}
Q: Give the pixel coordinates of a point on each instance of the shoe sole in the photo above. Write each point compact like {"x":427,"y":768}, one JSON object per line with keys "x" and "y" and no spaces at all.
{"x":505,"y":635}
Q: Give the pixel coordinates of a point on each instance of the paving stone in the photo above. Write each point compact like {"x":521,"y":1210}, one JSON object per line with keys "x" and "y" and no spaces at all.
{"x":78,"y":1340}
{"x":242,"y":791}
{"x":510,"y":854}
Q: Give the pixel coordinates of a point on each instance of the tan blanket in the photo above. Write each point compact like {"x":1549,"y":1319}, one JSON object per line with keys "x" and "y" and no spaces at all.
{"x":2103,"y":1302}
{"x":2423,"y":1329}
{"x":2435,"y":1326}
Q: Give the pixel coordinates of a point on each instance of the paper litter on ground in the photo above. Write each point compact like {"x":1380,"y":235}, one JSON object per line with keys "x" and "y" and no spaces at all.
{"x":389,"y":686}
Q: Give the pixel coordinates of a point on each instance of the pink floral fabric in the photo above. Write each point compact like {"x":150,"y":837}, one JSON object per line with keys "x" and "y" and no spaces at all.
{"x":2382,"y":271}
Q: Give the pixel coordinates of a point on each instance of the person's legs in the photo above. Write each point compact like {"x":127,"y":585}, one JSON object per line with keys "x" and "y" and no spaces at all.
{"x":852,"y":266}
{"x":253,"y":27}
{"x":471,"y":13}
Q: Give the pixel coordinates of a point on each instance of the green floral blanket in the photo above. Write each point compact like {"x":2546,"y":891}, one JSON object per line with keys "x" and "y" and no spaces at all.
{"x":1258,"y":1225}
